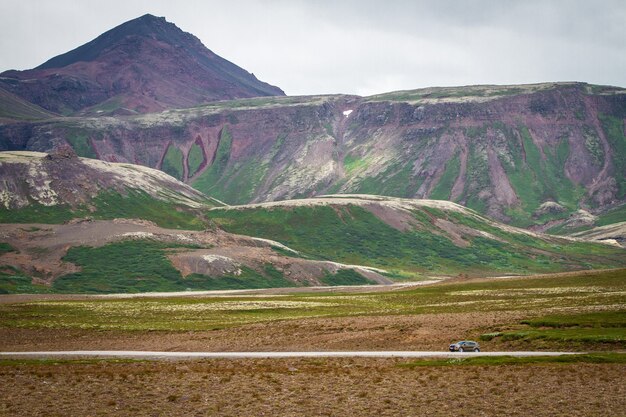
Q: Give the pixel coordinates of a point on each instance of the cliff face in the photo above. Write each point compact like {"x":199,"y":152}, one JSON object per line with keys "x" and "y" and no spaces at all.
{"x":144,"y":65}
{"x":525,"y":155}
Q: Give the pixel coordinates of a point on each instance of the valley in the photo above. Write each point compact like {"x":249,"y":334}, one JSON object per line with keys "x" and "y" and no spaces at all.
{"x":155,"y":196}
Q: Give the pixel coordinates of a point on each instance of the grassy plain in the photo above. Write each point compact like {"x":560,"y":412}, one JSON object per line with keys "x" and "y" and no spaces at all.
{"x":423,"y":318}
{"x":575,"y":311}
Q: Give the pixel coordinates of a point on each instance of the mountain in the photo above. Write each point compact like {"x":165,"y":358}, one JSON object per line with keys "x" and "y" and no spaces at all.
{"x":57,"y":187}
{"x":144,"y":65}
{"x":547,"y":156}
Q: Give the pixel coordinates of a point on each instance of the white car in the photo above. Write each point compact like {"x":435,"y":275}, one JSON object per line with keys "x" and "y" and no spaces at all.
{"x":465,"y":346}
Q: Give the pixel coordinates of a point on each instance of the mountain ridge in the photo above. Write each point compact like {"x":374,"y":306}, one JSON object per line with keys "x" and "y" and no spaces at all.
{"x":529,"y":155}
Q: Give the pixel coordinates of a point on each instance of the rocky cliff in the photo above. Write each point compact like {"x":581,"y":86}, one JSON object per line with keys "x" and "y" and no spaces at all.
{"x":527,"y":155}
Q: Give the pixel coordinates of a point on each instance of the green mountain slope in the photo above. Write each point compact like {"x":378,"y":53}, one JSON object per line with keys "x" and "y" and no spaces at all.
{"x":411,"y":237}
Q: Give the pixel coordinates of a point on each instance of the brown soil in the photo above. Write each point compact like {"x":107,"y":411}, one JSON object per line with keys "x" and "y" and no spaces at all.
{"x":296,"y":387}
{"x":417,"y":332}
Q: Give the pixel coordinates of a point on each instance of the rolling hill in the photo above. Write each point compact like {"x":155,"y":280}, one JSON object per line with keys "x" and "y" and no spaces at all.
{"x":79,"y":225}
{"x":58,"y":187}
{"x":411,"y":237}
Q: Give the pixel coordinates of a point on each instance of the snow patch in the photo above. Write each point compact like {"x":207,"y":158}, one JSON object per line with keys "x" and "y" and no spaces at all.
{"x":347,"y":113}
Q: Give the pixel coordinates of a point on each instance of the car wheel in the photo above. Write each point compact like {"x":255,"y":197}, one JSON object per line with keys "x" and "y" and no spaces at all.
{"x":476,"y":350}
{"x":461,"y":350}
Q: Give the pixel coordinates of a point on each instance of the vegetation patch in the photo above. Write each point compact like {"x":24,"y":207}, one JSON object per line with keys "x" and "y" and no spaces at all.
{"x":569,"y":292}
{"x":134,"y":204}
{"x":141,"y":205}
{"x":6,"y":248}
{"x":345,"y":277}
{"x":613,"y":216}
{"x":353,"y":235}
{"x":597,"y":327}
{"x":614,"y":131}
{"x":444,"y":187}
{"x":14,"y":281}
{"x":128,"y":266}
{"x":173,"y":162}
{"x":195,"y":158}
{"x":212,"y":175}
{"x":38,"y":213}
{"x":246,"y":278}
{"x":81,"y":144}
{"x":511,"y":360}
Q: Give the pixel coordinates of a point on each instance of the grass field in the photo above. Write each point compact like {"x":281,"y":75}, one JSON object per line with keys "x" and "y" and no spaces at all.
{"x":573,"y":311}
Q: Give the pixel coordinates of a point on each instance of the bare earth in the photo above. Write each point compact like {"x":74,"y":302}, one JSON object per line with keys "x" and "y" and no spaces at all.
{"x":414,"y":332}
{"x":312,"y":387}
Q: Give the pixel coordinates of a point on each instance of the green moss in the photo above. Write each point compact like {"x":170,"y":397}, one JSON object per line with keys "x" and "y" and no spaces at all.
{"x":236,"y":183}
{"x":602,"y":319}
{"x":140,"y":205}
{"x":536,"y":179}
{"x":444,"y":187}
{"x":353,"y":163}
{"x":615,"y":215}
{"x":142,"y":266}
{"x":6,"y":248}
{"x":345,"y":277}
{"x":605,"y":335}
{"x":203,"y":313}
{"x":210,"y":178}
{"x":38,"y":213}
{"x":110,"y":205}
{"x":173,"y":162}
{"x":15,"y":281}
{"x":597,"y":328}
{"x":614,"y":131}
{"x":194,"y":159}
{"x":239,"y":182}
{"x":593,"y":145}
{"x":127,"y":266}
{"x":246,"y":278}
{"x":397,"y":180}
{"x":619,"y":358}
{"x":81,"y":144}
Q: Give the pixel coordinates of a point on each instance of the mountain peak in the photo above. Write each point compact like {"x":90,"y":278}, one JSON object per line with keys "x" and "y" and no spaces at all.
{"x":148,"y":26}
{"x":144,"y":65}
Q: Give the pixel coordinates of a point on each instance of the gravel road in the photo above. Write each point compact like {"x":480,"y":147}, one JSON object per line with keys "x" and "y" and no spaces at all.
{"x":131,"y":354}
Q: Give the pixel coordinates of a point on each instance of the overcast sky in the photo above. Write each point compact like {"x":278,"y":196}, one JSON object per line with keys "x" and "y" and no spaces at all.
{"x":357,"y":47}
